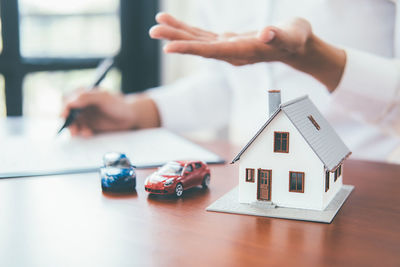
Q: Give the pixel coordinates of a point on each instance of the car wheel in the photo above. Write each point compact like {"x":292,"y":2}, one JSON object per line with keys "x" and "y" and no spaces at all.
{"x":206,"y":181}
{"x":179,"y":190}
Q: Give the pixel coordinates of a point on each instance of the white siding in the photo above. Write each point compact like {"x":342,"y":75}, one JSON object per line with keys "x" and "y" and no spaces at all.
{"x":334,"y":187}
{"x":300,"y":158}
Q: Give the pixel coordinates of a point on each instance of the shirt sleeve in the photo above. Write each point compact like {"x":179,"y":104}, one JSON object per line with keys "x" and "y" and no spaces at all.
{"x":370,"y":89}
{"x":197,"y":102}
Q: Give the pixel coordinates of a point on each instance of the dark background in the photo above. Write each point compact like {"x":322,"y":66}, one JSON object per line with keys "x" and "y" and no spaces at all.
{"x":137,"y":60}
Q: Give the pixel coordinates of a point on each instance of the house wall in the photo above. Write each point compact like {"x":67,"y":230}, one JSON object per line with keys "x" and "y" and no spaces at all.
{"x":334,"y":187}
{"x":300,"y":158}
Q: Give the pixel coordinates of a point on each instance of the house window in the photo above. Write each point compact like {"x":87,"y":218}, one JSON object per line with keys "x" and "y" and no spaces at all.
{"x":338,"y":172}
{"x":326,"y":181}
{"x":314,"y":122}
{"x":296,"y":182}
{"x":281,"y":142}
{"x":250,"y":175}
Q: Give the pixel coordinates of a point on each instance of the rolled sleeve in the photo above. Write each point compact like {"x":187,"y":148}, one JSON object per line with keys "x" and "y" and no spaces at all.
{"x":199,"y":102}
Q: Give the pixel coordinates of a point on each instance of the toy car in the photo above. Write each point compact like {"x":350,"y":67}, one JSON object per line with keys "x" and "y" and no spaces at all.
{"x":177,"y":176}
{"x":117,"y":174}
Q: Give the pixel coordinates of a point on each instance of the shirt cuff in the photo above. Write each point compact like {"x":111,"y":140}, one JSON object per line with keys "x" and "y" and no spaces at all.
{"x":165,"y":100}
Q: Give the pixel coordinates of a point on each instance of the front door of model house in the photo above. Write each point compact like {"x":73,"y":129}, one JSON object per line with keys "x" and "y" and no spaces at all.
{"x":264,"y":184}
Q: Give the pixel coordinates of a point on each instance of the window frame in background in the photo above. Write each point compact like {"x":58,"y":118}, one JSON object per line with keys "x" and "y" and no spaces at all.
{"x":137,"y":59}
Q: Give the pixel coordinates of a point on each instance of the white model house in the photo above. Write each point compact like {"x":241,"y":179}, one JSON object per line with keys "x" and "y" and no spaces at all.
{"x":294,"y":160}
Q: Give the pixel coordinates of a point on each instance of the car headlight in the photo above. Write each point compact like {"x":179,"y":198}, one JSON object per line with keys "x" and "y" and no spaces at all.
{"x":169,"y":182}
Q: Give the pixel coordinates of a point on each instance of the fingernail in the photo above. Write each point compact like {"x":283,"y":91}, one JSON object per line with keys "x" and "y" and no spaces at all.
{"x":266,"y":36}
{"x":271,"y":36}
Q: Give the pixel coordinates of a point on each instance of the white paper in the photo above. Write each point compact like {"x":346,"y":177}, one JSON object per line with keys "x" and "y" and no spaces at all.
{"x":35,"y":154}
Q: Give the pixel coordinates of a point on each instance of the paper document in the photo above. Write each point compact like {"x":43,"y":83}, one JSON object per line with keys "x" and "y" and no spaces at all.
{"x":26,"y":156}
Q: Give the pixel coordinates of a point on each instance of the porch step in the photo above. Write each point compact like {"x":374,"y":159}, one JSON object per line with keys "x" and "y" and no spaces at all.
{"x":264,"y":204}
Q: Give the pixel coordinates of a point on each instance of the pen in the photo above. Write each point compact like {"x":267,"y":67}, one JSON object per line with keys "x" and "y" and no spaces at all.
{"x":101,"y":72}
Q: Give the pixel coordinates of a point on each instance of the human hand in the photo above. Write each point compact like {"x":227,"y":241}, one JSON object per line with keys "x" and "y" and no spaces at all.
{"x":103,"y":112}
{"x":270,"y":44}
{"x":292,"y":43}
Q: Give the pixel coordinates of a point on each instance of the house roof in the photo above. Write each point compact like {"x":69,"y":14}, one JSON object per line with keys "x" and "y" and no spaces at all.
{"x":325,"y":142}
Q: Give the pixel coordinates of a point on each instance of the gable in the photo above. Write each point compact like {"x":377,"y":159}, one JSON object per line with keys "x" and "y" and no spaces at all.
{"x":261,"y":152}
{"x":315,"y":129}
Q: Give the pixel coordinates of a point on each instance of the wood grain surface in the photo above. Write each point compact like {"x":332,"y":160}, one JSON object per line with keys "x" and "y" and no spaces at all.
{"x":68,"y":221}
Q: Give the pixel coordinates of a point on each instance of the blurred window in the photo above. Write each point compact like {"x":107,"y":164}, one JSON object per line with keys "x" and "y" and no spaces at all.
{"x":49,"y":48}
{"x":44,"y":91}
{"x":73,"y":28}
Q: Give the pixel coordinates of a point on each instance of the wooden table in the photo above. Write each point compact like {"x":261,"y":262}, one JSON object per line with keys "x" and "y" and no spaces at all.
{"x":68,"y":221}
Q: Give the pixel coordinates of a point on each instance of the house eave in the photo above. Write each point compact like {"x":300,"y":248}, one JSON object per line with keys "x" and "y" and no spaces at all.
{"x":340,"y":163}
{"x":255,"y":136}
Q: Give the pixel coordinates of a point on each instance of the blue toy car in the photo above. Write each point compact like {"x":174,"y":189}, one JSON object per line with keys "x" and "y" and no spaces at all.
{"x":117,"y":174}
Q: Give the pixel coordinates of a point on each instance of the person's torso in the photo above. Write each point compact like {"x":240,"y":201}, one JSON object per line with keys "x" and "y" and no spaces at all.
{"x":366,"y":25}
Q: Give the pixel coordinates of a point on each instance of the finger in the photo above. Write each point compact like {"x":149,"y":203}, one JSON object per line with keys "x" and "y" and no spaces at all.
{"x":203,"y":49}
{"x":266,"y":35}
{"x":289,"y":38}
{"x":217,"y":50}
{"x":86,"y":131}
{"x":74,"y":129}
{"x":170,"y":33}
{"x":165,"y":18}
{"x":64,"y":112}
{"x":67,"y":98}
{"x":80,"y":127}
{"x":86,"y":99}
{"x":279,"y":38}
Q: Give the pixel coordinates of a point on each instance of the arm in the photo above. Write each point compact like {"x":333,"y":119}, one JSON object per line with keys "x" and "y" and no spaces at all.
{"x":293,"y":44}
{"x":365,"y":84}
{"x":370,"y":87}
{"x":188,"y":104}
{"x":103,"y":111}
{"x":197,"y":102}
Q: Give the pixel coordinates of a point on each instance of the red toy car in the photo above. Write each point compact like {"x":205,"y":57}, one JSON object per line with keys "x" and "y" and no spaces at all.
{"x":176,"y":176}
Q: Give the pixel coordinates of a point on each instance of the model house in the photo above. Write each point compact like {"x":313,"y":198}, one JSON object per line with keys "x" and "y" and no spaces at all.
{"x":294,"y":160}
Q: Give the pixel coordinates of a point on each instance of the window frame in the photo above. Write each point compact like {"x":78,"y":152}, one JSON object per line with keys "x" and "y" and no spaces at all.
{"x":327,"y":180}
{"x":314,"y":122}
{"x":136,"y":17}
{"x":252,"y":178}
{"x":338,"y":172}
{"x":187,"y":168}
{"x":287,"y":142}
{"x":302,"y":182}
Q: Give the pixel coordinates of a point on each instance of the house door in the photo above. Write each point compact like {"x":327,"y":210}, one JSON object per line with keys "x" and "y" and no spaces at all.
{"x":264,"y":184}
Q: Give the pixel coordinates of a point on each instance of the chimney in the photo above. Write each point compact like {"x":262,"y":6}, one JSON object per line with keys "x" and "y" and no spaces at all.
{"x":274,"y":99}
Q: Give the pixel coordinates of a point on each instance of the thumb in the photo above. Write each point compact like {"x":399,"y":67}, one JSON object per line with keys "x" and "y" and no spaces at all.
{"x":85,"y":99}
{"x":278,"y":38}
{"x":267,"y":34}
{"x":291,"y":36}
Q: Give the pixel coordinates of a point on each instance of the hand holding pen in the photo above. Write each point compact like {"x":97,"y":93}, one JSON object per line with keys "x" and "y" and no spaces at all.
{"x":102,"y":111}
{"x":101,"y":73}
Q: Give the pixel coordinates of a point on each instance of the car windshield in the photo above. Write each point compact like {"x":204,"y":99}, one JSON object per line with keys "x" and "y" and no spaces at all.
{"x":116,"y":171}
{"x":117,"y":161}
{"x":171,"y":168}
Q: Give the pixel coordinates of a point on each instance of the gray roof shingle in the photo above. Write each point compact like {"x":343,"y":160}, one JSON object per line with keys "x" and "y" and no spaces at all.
{"x":325,"y":142}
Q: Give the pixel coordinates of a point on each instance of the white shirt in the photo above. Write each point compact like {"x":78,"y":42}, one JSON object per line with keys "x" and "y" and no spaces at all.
{"x":364,"y":108}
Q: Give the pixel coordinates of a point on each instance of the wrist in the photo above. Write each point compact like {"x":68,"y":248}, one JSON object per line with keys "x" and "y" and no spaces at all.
{"x":321,"y":60}
{"x":143,"y":111}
